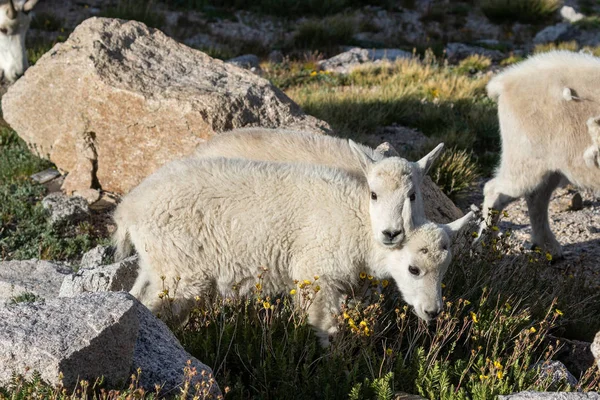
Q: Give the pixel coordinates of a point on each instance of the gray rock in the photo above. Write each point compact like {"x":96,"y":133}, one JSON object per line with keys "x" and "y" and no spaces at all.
{"x":64,"y":208}
{"x":459,"y":51}
{"x":116,"y":277}
{"x":570,"y":14}
{"x":276,"y":57}
{"x":531,"y":395}
{"x":162,"y":359}
{"x":552,"y":33}
{"x":557,"y":371}
{"x":402,"y":138}
{"x":82,"y":338}
{"x":154,"y":101}
{"x":247,"y":61}
{"x":99,"y":255}
{"x":595,"y":348}
{"x":45,"y":176}
{"x":91,"y":335}
{"x":354,"y":57}
{"x":41,"y":278}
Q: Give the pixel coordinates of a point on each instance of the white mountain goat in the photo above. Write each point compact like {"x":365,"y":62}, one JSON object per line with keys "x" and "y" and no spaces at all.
{"x":544,"y":105}
{"x":14,"y":23}
{"x":391,"y":179}
{"x":214,"y":223}
{"x":592,"y":153}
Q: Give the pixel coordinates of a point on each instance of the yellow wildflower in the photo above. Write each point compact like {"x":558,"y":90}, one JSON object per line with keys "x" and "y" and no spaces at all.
{"x":258,"y":286}
{"x":467,"y":302}
{"x":367,"y":332}
{"x":558,"y":312}
{"x":197,"y":298}
{"x":266,"y":305}
{"x":363,"y":275}
{"x":474,"y":234}
{"x":363,"y":323}
{"x":388,"y":351}
{"x":483,"y":377}
{"x":317,"y":288}
{"x":474,"y":317}
{"x":548,"y":256}
{"x":532,"y":330}
{"x":385,"y":283}
{"x":306,"y":282}
{"x":293,"y":292}
{"x":370,"y":277}
{"x":500,"y":375}
{"x":314,"y":73}
{"x":495,"y":228}
{"x":345,"y":315}
{"x":497,"y":365}
{"x":443,"y":286}
{"x":316,"y":277}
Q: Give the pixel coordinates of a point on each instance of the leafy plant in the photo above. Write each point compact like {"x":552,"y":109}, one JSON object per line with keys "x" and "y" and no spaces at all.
{"x":455,"y":172}
{"x":526,"y":11}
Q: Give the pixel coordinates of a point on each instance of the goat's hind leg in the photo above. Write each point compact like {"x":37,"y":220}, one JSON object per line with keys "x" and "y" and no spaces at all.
{"x":498,"y":194}
{"x":537,"y":203}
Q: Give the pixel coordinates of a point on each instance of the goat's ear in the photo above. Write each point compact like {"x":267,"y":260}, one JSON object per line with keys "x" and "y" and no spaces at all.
{"x":365,"y":160}
{"x":11,"y":13}
{"x":456,"y":226}
{"x":426,"y":162}
{"x":29,"y":4}
{"x":387,"y":150}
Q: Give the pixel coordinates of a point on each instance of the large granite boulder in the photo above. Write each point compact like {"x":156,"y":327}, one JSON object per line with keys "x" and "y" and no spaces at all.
{"x":107,"y":334}
{"x":118,"y":99}
{"x":39,"y":278}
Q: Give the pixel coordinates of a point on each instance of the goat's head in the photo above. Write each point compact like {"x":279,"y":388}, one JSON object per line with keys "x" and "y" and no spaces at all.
{"x":14,"y":23}
{"x":419,"y":267}
{"x":394,"y":185}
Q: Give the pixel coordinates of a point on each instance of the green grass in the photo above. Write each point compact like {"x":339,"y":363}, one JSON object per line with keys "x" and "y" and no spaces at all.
{"x":525,"y":11}
{"x":589,"y":23}
{"x":455,"y":172}
{"x":24,"y":230}
{"x":46,"y":22}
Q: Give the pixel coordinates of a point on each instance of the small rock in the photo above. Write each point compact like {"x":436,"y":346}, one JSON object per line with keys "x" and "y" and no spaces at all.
{"x":531,"y":395}
{"x":459,"y":51}
{"x":247,"y":61}
{"x":90,"y":195}
{"x":45,"y":176}
{"x":595,"y":348}
{"x":99,"y":255}
{"x":41,"y":278}
{"x":116,"y":277}
{"x":558,"y":372}
{"x":345,"y":62}
{"x":570,"y":14}
{"x":275,"y":57}
{"x":66,"y":209}
{"x":403,"y":139}
{"x":552,"y":33}
{"x":576,"y":202}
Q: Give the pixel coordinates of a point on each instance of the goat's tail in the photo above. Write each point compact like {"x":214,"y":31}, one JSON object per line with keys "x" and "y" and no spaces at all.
{"x":121,"y":239}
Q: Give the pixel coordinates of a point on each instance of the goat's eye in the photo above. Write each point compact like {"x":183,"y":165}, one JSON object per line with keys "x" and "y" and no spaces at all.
{"x":373,"y":196}
{"x":445,"y":247}
{"x":412,"y":197}
{"x":424,"y":251}
{"x":4,"y":30}
{"x":414,"y":270}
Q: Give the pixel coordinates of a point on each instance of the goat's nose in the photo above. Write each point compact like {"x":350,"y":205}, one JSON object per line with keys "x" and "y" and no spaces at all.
{"x":390,"y":235}
{"x":433,"y":314}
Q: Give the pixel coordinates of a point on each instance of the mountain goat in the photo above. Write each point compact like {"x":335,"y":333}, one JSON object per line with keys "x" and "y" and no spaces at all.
{"x":544,"y":107}
{"x":214,"y":223}
{"x":391,"y":179}
{"x":14,"y":23}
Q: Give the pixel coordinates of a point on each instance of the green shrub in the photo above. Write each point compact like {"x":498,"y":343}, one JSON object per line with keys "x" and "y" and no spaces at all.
{"x":137,"y":10}
{"x":46,"y":21}
{"x":474,"y":63}
{"x":455,"y":172}
{"x":24,"y":230}
{"x":526,"y":11}
{"x":324,"y":35}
